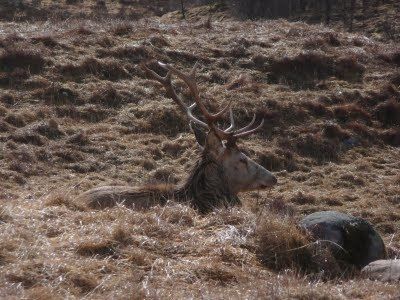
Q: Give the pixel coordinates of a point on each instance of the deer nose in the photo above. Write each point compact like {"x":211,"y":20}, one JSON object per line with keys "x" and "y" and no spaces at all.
{"x":274,"y":180}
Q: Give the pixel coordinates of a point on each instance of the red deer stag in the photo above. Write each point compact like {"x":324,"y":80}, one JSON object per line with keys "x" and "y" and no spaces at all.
{"x":220,"y":174}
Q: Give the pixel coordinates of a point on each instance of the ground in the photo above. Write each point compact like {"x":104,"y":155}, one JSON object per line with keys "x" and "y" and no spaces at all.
{"x":76,"y":112}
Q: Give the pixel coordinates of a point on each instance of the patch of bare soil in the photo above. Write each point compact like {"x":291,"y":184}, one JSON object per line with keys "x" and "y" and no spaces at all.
{"x":76,"y":112}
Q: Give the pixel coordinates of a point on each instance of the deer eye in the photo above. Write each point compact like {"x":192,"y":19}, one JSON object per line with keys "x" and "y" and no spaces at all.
{"x":243,"y":160}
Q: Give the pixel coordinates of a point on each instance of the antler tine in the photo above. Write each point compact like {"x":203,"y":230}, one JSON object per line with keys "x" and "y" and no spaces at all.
{"x":153,"y":74}
{"x":167,"y":83}
{"x":246,"y":127}
{"x":190,"y":80}
{"x":229,"y":134}
{"x":248,"y":132}
{"x":232,"y":126}
{"x":232,"y":136}
{"x":194,"y":69}
{"x":222,"y":112}
{"x":193,"y":118}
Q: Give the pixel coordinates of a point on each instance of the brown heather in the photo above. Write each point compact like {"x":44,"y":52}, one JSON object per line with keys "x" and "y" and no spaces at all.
{"x":77,"y":112}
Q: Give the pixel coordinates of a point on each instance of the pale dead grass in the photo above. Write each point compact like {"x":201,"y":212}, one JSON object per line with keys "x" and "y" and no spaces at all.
{"x":117,"y":252}
{"x":124,"y":131}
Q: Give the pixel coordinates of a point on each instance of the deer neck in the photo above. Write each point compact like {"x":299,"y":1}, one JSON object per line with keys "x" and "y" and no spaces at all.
{"x":206,"y":187}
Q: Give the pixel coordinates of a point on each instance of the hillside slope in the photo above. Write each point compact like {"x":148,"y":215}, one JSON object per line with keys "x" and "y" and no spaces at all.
{"x":77,"y":112}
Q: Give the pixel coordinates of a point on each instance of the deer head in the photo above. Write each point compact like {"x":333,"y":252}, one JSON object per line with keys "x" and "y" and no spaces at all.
{"x":239,"y":171}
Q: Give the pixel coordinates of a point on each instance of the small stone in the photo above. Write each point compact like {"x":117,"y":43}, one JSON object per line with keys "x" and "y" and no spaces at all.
{"x":383,"y":270}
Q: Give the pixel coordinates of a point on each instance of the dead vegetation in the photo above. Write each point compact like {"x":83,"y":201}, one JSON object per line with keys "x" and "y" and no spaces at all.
{"x":18,"y":56}
{"x":282,"y":245}
{"x":76,"y":112}
{"x":104,"y":69}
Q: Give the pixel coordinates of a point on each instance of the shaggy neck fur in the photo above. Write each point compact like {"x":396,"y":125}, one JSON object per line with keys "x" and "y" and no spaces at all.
{"x":206,"y":187}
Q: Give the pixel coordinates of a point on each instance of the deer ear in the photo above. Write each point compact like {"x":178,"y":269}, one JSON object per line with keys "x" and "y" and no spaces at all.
{"x":199,"y":134}
{"x":213,"y":143}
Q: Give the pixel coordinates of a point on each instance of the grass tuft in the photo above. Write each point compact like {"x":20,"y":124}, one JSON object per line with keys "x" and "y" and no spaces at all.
{"x":57,"y":94}
{"x":139,"y":258}
{"x":28,"y":137}
{"x":302,"y":70}
{"x":41,"y":292}
{"x":278,"y":160}
{"x":318,"y":147}
{"x":317,"y":109}
{"x":7,"y":99}
{"x":301,"y":199}
{"x":79,"y":138}
{"x":89,"y":113}
{"x":29,"y":275}
{"x":83,"y":281}
{"x":121,"y":235}
{"x":62,"y":199}
{"x":361,"y":130}
{"x":109,"y":69}
{"x":172,"y":119}
{"x":349,"y":68}
{"x":4,"y":216}
{"x":101,"y":248}
{"x":82,"y":30}
{"x":22,"y":57}
{"x":392,"y":57}
{"x":46,"y":40}
{"x":391,"y":137}
{"x":5,"y":127}
{"x":335,"y":131}
{"x":122,"y":29}
{"x":16,"y":120}
{"x":351,"y":112}
{"x":135,"y":54}
{"x":107,"y":96}
{"x":388,"y":112}
{"x":281,"y":245}
{"x":50,"y":130}
{"x":218,"y":273}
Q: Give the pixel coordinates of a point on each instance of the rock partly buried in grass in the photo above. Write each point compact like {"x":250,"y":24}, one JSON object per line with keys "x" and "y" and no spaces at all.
{"x":352,"y":239}
{"x":383,"y":270}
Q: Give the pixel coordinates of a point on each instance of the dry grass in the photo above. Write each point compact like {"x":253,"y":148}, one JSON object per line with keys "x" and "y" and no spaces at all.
{"x":23,"y":57}
{"x":92,"y":248}
{"x":388,"y":112}
{"x":281,"y":245}
{"x":61,"y":198}
{"x":77,"y":112}
{"x":104,"y":69}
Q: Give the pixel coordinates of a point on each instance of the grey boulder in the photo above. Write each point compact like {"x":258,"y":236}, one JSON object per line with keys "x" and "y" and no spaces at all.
{"x":383,"y":270}
{"x":350,"y":239}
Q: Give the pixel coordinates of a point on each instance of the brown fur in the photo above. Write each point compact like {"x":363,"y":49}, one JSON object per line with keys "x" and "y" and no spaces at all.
{"x":137,"y":197}
{"x":204,"y":189}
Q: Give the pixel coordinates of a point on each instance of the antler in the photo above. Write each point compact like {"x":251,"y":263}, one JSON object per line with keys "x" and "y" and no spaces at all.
{"x":190,"y":80}
{"x":229,"y":134}
{"x":167,"y":83}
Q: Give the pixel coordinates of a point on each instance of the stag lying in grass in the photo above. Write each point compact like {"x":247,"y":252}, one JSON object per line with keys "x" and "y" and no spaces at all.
{"x":220,"y":174}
